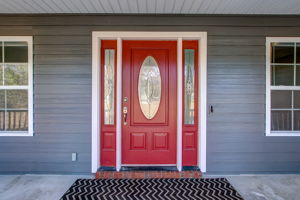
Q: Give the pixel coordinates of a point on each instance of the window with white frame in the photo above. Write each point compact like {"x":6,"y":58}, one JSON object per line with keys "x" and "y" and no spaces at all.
{"x":283,"y":87}
{"x":16,"y":86}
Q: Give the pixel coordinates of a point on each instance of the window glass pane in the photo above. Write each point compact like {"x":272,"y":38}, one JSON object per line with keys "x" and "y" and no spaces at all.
{"x":109,"y":86}
{"x":1,"y":74}
{"x":2,"y":99}
{"x":2,"y":120}
{"x":281,"y":99}
{"x":17,"y":99}
{"x":1,"y":52}
{"x":2,"y":109}
{"x":298,"y":75}
{"x":297,"y":99}
{"x":296,"y":120}
{"x":283,"y":75}
{"x":281,"y":120}
{"x":16,"y":115}
{"x":16,"y":74}
{"x":298,"y":54}
{"x":15,"y":52}
{"x":283,"y":52}
{"x":189,"y":86}
{"x":16,"y":120}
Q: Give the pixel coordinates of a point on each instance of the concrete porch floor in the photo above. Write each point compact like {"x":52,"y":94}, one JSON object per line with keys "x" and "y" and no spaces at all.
{"x":52,"y":187}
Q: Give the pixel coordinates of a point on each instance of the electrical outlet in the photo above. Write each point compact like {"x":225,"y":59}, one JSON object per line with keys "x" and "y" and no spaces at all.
{"x":74,"y":157}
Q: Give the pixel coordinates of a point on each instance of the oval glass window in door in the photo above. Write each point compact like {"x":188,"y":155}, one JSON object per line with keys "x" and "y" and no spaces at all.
{"x":149,"y":87}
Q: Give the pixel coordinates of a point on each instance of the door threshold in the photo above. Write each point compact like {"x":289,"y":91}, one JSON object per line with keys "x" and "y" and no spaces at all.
{"x":149,"y":168}
{"x":147,"y":173}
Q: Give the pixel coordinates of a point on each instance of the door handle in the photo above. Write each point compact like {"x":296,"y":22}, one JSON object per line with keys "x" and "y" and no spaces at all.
{"x":125,"y":110}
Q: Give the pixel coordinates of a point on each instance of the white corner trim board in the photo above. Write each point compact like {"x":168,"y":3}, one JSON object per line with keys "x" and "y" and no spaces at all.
{"x":97,"y":36}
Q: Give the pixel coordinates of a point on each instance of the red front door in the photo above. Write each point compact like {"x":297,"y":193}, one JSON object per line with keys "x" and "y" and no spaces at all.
{"x":149,"y":102}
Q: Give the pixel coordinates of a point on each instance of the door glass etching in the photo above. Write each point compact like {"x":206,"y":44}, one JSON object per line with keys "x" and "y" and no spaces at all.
{"x":109,"y":87}
{"x":189,"y":86}
{"x":149,"y":87}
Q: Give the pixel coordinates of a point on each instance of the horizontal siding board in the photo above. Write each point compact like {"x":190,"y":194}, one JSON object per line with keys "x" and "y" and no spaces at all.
{"x":45,"y":167}
{"x":255,"y":157}
{"x":236,"y":40}
{"x":16,"y":30}
{"x":62,"y":40}
{"x":236,"y":98}
{"x":236,"y":89}
{"x":237,"y":118}
{"x":235,"y":108}
{"x":63,"y":59}
{"x":62,"y":108}
{"x":231,"y":128}
{"x":45,"y":157}
{"x":236,"y":69}
{"x":235,"y":80}
{"x":63,"y":99}
{"x":61,"y":127}
{"x":62,"y":89}
{"x":247,"y":136}
{"x":45,"y":69}
{"x":62,"y":49}
{"x":51,"y":137}
{"x":45,"y":148}
{"x":218,"y":50}
{"x":262,"y":147}
{"x":253,"y":167}
{"x":76,"y":79}
{"x":61,"y":119}
{"x":247,"y":59}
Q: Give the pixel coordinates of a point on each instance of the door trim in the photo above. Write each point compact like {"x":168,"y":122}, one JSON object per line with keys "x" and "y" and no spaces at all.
{"x":97,"y":36}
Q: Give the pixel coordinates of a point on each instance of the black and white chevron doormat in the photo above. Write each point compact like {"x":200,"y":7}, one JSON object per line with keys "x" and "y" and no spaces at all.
{"x":152,"y":189}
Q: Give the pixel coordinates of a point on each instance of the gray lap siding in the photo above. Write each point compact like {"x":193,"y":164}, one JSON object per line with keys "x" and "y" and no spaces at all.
{"x":236,"y":141}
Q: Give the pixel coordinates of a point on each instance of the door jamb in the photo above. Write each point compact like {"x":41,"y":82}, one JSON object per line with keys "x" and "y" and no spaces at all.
{"x":97,"y":36}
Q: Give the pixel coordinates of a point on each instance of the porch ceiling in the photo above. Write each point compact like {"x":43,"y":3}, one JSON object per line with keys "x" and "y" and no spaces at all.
{"x":282,"y":7}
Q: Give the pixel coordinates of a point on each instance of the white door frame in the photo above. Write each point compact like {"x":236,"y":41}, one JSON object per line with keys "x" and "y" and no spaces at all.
{"x":97,"y":36}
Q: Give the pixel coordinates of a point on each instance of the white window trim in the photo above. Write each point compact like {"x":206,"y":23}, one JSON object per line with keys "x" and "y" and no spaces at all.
{"x":29,"y":40}
{"x":97,"y":36}
{"x":269,"y":40}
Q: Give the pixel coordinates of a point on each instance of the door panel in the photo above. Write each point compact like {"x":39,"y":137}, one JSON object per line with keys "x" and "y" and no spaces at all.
{"x":149,"y":133}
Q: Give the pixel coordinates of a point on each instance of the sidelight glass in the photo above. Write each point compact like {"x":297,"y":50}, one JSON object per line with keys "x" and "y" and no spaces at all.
{"x":109,"y":87}
{"x":149,"y":87}
{"x":189,"y":86}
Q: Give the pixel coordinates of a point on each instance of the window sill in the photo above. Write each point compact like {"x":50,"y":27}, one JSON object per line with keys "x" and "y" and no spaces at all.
{"x":284,"y":133}
{"x":15,"y":133}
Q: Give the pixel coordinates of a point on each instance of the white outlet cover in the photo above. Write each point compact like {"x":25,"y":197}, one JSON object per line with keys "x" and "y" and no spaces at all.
{"x":74,"y":156}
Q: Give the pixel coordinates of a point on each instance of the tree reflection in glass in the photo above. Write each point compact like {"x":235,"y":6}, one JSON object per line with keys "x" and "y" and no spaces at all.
{"x":149,"y":87}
